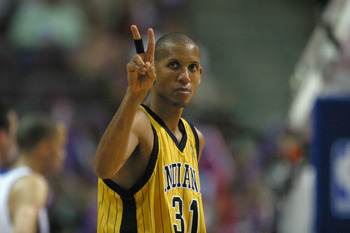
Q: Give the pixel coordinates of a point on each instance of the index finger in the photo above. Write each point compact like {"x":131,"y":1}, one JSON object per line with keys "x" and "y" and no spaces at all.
{"x":151,"y":41}
{"x":135,"y":32}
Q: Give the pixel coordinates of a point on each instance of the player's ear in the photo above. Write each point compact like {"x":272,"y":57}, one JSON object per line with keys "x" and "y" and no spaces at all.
{"x":42,"y":148}
{"x":200,"y":74}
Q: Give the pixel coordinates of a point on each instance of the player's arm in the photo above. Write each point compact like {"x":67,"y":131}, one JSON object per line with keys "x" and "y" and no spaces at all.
{"x":201,"y":143}
{"x":27,"y":197}
{"x":122,"y":135}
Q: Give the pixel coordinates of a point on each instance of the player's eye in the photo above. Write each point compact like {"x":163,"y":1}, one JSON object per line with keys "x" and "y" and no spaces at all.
{"x":173,"y":65}
{"x":193,"y":67}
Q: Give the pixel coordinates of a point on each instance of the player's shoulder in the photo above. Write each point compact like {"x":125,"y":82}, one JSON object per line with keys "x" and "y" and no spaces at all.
{"x":200,"y":136}
{"x":142,"y":124}
{"x":142,"y":114}
{"x":201,"y":140}
{"x":196,"y":131}
{"x":141,"y":119}
{"x":33,"y":187}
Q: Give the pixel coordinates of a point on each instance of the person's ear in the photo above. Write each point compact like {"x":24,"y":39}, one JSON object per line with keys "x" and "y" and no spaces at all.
{"x":42,"y":148}
{"x":200,"y":73}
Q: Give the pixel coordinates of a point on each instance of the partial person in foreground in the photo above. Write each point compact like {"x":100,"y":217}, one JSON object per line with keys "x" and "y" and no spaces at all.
{"x":147,"y":159}
{"x":8,"y":128}
{"x":24,"y":192}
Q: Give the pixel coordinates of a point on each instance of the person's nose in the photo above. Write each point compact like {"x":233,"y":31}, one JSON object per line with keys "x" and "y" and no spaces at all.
{"x":184,"y":77}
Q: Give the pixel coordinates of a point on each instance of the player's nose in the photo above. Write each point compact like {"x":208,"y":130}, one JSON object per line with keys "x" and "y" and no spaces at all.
{"x":184,"y":76}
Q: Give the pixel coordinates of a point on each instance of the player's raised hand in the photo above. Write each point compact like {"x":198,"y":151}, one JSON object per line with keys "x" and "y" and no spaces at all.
{"x":141,"y":73}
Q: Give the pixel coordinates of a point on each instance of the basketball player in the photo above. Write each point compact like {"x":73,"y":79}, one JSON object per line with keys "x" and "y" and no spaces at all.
{"x":147,"y":159}
{"x":24,"y":191}
{"x":8,"y":128}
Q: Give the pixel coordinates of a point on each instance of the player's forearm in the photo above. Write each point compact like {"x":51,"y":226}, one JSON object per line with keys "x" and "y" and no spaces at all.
{"x":113,"y":149}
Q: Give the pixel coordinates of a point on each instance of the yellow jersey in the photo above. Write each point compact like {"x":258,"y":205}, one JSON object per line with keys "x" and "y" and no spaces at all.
{"x":167,"y":197}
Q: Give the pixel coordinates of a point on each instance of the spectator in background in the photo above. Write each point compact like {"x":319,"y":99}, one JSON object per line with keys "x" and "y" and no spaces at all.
{"x":8,"y":127}
{"x":24,"y":192}
{"x":43,"y":23}
{"x":46,"y":31}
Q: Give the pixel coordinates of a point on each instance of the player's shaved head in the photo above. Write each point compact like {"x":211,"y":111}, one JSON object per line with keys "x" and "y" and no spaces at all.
{"x":170,"y":39}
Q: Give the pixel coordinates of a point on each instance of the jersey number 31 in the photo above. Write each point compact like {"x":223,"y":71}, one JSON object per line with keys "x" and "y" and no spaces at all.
{"x":180,"y":227}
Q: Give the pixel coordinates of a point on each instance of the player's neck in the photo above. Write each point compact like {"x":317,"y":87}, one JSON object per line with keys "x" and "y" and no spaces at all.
{"x":169,"y":114}
{"x":25,"y":160}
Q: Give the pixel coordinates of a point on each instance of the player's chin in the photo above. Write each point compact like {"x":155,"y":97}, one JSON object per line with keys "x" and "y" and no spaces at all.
{"x":180,"y":104}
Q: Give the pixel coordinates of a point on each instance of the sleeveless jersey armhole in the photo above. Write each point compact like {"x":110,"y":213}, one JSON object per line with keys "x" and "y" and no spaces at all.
{"x":144,"y":178}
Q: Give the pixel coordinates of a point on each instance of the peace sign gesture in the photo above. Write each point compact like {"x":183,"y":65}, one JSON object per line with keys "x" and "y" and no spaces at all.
{"x":141,"y":73}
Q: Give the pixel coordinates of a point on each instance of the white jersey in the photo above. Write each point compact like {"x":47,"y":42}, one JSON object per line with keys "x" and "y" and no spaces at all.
{"x":7,"y":179}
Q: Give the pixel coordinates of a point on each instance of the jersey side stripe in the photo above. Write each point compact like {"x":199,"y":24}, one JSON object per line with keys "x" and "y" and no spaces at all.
{"x":129,"y":221}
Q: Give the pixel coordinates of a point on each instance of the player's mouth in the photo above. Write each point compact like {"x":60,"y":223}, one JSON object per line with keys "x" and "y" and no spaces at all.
{"x":183,"y":91}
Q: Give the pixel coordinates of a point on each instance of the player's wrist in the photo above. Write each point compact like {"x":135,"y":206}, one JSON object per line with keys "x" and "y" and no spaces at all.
{"x":136,"y":96}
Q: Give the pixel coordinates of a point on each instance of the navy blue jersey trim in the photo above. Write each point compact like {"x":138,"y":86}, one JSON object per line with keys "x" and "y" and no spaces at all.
{"x":183,"y":141}
{"x":144,"y":178}
{"x":129,"y":221}
{"x":182,"y":144}
{"x":196,"y":138}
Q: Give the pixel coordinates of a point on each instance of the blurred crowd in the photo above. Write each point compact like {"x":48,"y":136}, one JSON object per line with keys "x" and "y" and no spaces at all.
{"x":68,"y":58}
